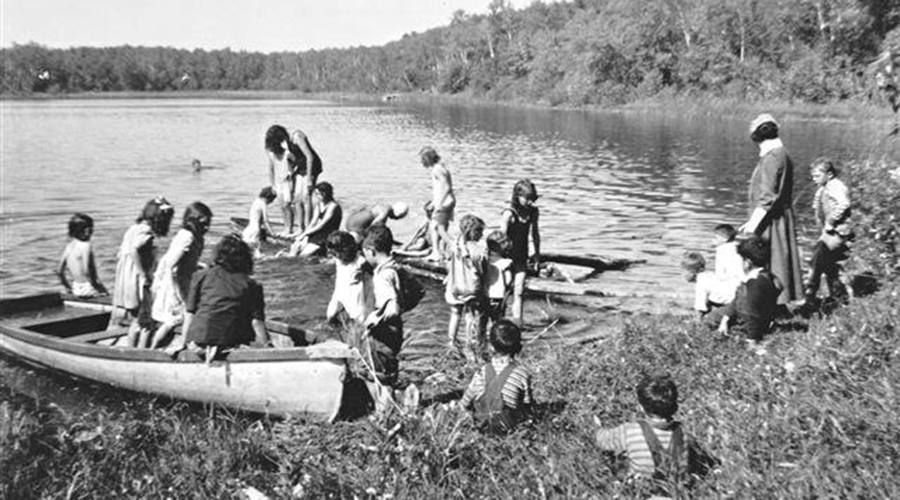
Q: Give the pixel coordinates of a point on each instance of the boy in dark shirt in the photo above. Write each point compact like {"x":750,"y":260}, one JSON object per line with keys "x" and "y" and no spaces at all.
{"x":755,"y":302}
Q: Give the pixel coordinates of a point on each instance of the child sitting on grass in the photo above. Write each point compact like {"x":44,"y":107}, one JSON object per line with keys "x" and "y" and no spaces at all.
{"x":709,"y":291}
{"x":500,"y":392}
{"x":466,"y":292}
{"x":78,"y":259}
{"x":656,"y":446}
{"x":755,"y":303}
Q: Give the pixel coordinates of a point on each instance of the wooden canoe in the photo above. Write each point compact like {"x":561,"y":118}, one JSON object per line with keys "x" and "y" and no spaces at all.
{"x":71,"y":336}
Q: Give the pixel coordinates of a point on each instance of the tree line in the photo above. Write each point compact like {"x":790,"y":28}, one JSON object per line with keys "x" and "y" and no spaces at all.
{"x":574,"y":53}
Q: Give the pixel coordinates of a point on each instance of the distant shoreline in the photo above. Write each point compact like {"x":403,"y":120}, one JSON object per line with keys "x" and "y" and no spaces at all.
{"x":687,"y":106}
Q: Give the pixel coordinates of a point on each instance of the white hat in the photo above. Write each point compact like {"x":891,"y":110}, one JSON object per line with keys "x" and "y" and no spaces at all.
{"x":759,"y":120}
{"x":399,"y":210}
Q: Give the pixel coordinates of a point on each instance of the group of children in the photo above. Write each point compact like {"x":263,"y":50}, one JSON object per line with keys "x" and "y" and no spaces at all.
{"x":740,"y":296}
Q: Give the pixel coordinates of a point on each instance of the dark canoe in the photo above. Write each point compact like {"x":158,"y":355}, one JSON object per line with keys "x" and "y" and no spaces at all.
{"x":72,"y":336}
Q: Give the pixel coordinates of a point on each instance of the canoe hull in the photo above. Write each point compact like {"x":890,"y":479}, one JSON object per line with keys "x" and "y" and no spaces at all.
{"x":301,"y":380}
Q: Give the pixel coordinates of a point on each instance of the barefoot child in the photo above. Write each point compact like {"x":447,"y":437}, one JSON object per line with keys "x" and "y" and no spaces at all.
{"x":361,"y":219}
{"x":352,"y":279}
{"x":132,"y":300}
{"x":466,"y":292}
{"x":327,"y":221}
{"x":443,"y":201}
{"x":78,"y":259}
{"x":172,"y":280}
{"x":258,"y":226}
{"x":518,"y":220}
{"x":499,"y":278}
{"x":281,"y":172}
{"x":500,"y":392}
{"x":307,"y":167}
{"x":419,"y":244}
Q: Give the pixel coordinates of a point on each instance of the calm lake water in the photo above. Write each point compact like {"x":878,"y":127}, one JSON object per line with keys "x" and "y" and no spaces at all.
{"x":641,"y":186}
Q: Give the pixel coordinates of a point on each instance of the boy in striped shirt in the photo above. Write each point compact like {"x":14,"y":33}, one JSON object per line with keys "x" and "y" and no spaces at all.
{"x":500,"y":392}
{"x":656,"y":446}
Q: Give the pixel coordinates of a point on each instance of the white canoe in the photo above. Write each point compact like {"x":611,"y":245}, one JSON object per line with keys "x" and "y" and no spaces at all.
{"x":71,"y":336}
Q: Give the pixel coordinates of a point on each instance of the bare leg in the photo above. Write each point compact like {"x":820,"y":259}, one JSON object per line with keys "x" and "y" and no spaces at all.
{"x":287,"y":213}
{"x":518,"y":290}
{"x":134,"y":330}
{"x":144,"y":338}
{"x":161,"y":333}
{"x":453,"y":325}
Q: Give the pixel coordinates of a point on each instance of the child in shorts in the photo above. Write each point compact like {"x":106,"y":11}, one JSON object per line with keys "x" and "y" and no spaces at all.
{"x":78,"y":259}
{"x":466,"y":292}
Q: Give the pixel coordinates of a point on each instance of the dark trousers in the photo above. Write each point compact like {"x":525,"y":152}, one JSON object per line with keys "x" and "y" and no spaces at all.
{"x":825,"y":261}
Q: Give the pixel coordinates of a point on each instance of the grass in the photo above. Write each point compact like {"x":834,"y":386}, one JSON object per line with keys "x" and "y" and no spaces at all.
{"x":815,"y":417}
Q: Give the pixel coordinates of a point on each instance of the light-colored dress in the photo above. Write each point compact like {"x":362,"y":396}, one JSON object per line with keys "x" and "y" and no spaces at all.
{"x":128,"y":291}
{"x":772,"y":189}
{"x":175,"y":269}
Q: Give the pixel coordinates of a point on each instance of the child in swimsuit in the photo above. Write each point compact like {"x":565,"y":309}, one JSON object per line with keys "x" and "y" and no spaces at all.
{"x":518,"y":221}
{"x":78,"y":258}
{"x":443,"y":201}
{"x":327,"y":221}
{"x":258,"y":226}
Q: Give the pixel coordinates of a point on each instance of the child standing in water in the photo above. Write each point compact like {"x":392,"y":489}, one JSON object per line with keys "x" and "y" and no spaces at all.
{"x":132,"y":300}
{"x":258,"y":226}
{"x":78,"y":258}
{"x":466,"y":292}
{"x":352,"y":283}
{"x":499,"y":278}
{"x":443,"y":201}
{"x":172,"y":280}
{"x":520,"y":219}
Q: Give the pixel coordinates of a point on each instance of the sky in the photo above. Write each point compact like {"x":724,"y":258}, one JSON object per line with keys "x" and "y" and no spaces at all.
{"x":252,"y":25}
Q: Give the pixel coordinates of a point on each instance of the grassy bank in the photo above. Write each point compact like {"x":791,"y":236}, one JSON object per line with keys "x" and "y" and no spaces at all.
{"x":814,"y":417}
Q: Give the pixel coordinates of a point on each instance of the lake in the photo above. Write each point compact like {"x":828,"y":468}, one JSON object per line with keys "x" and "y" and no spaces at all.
{"x":637,"y":185}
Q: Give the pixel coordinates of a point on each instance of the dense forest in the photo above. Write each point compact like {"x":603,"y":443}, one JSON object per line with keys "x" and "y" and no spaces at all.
{"x":573,"y":53}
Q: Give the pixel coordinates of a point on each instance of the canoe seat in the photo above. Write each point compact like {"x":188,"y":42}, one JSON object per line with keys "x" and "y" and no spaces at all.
{"x":98,"y":336}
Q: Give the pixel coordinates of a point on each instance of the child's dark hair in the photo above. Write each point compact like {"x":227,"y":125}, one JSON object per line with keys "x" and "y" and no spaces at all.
{"x":765,"y":131}
{"x":471,"y":227}
{"x":429,"y":156}
{"x":506,"y":337}
{"x":325,"y":189}
{"x":380,"y":239}
{"x":275,"y":136}
{"x":658,"y":395}
{"x":726,"y":230}
{"x":79,"y":225}
{"x":342,"y":245}
{"x":525,"y":189}
{"x":158,"y":213}
{"x":268,"y":194}
{"x":234,"y":255}
{"x":755,"y":250}
{"x":499,"y":243}
{"x":193,"y":216}
{"x":825,"y":165}
{"x":693,"y":262}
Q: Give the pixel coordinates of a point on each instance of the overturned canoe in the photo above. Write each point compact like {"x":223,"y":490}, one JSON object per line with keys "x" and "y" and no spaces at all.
{"x":71,"y":336}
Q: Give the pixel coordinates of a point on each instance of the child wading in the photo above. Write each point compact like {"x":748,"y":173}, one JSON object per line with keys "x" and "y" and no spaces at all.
{"x":466,"y":292}
{"x":518,"y":221}
{"x":78,"y":259}
{"x":258,"y":226}
{"x":352,"y":280}
{"x":500,"y":392}
{"x":132,"y":300}
{"x":657,"y":448}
